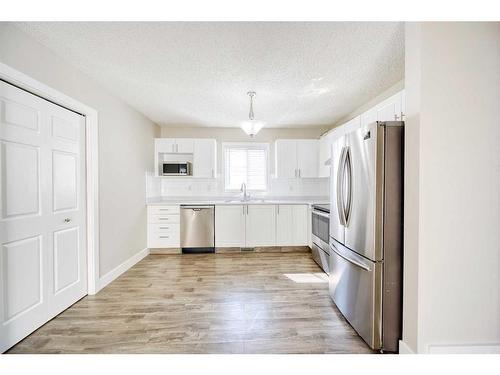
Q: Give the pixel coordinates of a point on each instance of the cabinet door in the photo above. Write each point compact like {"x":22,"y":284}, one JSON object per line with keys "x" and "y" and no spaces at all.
{"x":324,"y":156}
{"x":164,"y":145}
{"x":230,"y":226}
{"x":286,"y":158}
{"x":390,"y":109}
{"x":261,"y":225}
{"x":184,"y":145}
{"x":301,"y":229}
{"x":307,"y":157}
{"x":205,"y":158}
{"x":284,"y":225}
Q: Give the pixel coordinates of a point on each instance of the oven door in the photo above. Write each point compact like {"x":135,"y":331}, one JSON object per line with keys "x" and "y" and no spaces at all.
{"x":321,"y":228}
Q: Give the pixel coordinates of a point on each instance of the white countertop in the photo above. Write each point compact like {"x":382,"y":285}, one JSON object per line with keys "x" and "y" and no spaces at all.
{"x":154,"y":201}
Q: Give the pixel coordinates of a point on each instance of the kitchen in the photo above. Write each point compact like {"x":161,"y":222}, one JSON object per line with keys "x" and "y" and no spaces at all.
{"x":274,"y":214}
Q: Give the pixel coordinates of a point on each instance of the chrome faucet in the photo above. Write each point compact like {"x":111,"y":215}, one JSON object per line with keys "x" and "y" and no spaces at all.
{"x":243,"y":189}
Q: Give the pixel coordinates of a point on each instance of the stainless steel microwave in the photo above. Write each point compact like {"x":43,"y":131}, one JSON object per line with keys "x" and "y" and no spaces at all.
{"x":169,"y":168}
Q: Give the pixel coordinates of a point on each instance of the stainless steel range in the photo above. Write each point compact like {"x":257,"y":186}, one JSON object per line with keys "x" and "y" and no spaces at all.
{"x":320,"y":235}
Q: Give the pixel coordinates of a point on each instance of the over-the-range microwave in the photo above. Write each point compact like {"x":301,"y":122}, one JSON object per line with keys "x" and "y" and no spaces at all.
{"x":169,"y":168}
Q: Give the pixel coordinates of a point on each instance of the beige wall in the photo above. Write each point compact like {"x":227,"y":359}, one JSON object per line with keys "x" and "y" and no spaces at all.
{"x":125,"y":144}
{"x":452,"y":236}
{"x":238,"y":135}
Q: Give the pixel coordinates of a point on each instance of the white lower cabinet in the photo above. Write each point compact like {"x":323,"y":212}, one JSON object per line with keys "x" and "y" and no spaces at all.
{"x":251,"y":225}
{"x":230,"y":225}
{"x":292,"y":227}
{"x":163,"y":227}
{"x":256,"y":225}
{"x":261,"y":225}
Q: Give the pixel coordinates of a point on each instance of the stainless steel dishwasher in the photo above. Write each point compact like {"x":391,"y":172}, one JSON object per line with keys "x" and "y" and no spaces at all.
{"x":198,"y":228}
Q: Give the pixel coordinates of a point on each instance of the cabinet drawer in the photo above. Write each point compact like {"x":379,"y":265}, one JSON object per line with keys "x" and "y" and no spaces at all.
{"x":162,"y":219}
{"x":159,"y":210}
{"x":164,"y":228}
{"x":160,"y":240}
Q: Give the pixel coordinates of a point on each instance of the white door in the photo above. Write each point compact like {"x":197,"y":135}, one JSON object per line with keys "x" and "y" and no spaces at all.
{"x":301,"y":227}
{"x":284,"y":225}
{"x":184,"y":145}
{"x":230,"y":226}
{"x":205,"y":158}
{"x":42,"y":212}
{"x":286,"y":158}
{"x":307,"y":158}
{"x":261,"y":225}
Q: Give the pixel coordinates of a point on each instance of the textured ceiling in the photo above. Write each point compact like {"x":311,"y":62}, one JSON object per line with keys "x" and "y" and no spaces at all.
{"x":197,"y":74}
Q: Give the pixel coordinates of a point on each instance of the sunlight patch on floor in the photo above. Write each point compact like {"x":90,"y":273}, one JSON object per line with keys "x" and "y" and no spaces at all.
{"x":303,"y":278}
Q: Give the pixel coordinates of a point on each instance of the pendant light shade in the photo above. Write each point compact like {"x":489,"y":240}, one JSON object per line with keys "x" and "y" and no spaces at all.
{"x":252,"y":127}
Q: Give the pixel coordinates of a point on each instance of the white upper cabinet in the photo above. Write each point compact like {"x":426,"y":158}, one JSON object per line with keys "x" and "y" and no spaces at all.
{"x":286,"y":158}
{"x":390,"y":109}
{"x":202,"y":153}
{"x":164,"y":145}
{"x":296,"y":158}
{"x":184,"y":145}
{"x":261,"y":225}
{"x":174,"y":145}
{"x":205,"y":158}
{"x":307,"y":158}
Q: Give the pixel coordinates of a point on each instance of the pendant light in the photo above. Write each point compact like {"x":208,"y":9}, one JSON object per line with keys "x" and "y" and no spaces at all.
{"x":251,"y":127}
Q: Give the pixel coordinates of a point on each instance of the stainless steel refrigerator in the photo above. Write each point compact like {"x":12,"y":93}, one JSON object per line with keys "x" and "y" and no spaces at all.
{"x":366,"y":231}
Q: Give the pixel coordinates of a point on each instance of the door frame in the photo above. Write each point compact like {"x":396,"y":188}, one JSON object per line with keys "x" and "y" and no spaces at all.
{"x":25,"y":82}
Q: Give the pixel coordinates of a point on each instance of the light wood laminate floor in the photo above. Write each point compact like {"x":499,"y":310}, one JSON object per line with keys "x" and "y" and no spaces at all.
{"x":210,"y":303}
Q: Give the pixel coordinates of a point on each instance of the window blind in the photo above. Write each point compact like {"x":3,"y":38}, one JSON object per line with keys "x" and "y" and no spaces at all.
{"x":246,"y":164}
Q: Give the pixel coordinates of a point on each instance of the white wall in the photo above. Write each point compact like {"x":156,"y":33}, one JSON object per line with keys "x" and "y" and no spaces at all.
{"x":452,"y":234}
{"x":125,"y":144}
{"x":209,"y":187}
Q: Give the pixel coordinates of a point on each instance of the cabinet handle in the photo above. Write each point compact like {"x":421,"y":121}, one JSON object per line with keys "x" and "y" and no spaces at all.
{"x":295,"y":173}
{"x":278,"y":208}
{"x":299,"y":173}
{"x":164,"y":236}
{"x":164,"y":227}
{"x":243,"y":209}
{"x":396,"y":117}
{"x":213,"y":173}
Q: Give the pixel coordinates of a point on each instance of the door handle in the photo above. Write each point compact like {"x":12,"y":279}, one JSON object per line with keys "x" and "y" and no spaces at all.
{"x":348,"y":161}
{"x":340,"y":182}
{"x":356,"y":263}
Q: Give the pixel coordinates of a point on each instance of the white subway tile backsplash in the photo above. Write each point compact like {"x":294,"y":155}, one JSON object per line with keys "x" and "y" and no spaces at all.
{"x":186,"y":186}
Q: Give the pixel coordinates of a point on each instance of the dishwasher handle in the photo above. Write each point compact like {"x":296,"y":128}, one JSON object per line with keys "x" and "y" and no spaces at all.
{"x":197,"y":208}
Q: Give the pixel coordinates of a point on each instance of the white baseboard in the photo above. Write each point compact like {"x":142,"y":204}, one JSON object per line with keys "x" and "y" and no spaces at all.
{"x":493,"y":348}
{"x":121,"y":268}
{"x":404,"y":348}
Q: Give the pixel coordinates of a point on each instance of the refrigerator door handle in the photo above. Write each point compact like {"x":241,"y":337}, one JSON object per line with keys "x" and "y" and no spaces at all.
{"x":348,"y":162}
{"x":352,"y":261}
{"x":340,"y":182}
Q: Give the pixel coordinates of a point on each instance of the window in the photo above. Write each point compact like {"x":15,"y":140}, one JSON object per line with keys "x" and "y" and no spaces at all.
{"x":245,"y":163}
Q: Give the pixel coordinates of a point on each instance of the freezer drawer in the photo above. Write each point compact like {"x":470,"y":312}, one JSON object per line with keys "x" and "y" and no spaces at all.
{"x":355,"y":287}
{"x":322,"y":258}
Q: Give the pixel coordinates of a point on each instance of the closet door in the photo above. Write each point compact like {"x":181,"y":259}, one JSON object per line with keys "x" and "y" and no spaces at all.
{"x":42,"y":212}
